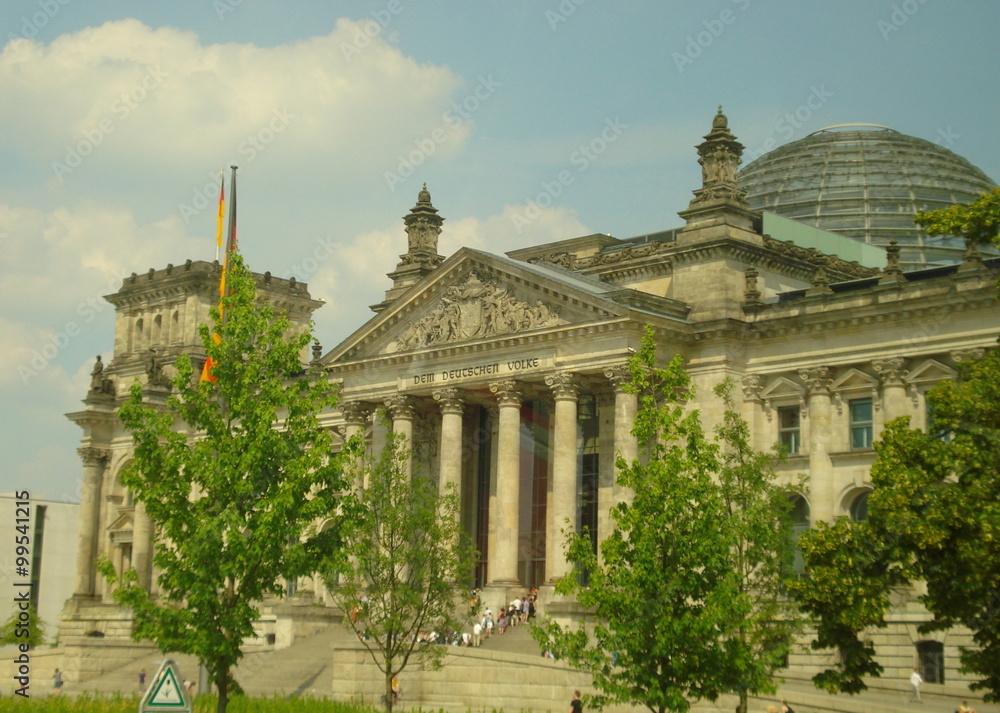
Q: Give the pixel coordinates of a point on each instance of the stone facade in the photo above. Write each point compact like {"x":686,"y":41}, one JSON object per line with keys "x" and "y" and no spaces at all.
{"x":505,"y":375}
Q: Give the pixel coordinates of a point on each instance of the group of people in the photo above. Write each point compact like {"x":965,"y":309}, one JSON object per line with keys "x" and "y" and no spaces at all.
{"x":519,"y":611}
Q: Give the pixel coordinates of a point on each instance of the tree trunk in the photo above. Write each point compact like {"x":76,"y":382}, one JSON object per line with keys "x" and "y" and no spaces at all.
{"x":223,"y":685}
{"x":388,"y":693}
{"x":744,"y":702}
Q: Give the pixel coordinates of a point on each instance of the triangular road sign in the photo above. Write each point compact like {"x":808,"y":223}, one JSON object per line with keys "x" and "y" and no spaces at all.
{"x":167,"y":692}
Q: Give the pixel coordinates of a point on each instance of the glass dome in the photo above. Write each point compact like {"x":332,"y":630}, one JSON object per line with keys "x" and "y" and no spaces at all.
{"x":867,"y":182}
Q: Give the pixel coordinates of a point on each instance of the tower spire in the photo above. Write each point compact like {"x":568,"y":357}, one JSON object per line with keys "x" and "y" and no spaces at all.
{"x":423,"y":226}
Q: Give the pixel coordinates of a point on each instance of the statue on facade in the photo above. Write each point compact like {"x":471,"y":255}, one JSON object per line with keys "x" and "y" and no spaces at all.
{"x":97,"y":375}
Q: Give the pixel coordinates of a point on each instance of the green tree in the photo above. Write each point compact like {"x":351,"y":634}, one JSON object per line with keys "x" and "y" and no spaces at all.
{"x":978,"y":221}
{"x":933,"y":517}
{"x":20,"y":630}
{"x":233,"y":474}
{"x":686,"y":590}
{"x":400,"y":573}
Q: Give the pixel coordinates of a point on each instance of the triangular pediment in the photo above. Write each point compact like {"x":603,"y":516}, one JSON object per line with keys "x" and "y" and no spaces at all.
{"x":855,"y":380}
{"x":475,"y":297}
{"x":124,"y":522}
{"x":782,"y":388}
{"x":930,"y":371}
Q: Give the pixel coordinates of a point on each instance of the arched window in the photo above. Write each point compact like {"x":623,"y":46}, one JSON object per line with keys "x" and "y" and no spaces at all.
{"x":930,"y":661}
{"x":800,"y":523}
{"x":859,"y":508}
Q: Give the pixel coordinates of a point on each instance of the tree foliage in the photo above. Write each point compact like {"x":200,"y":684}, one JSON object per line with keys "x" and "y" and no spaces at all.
{"x":685,"y":592}
{"x":400,"y":574}
{"x":232,"y":474}
{"x":933,"y":517}
{"x":23,"y":627}
{"x":978,"y":221}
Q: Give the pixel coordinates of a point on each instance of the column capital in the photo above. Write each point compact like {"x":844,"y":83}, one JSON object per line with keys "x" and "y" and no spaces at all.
{"x":93,"y":456}
{"x":565,"y":385}
{"x":356,"y":413}
{"x":891,"y":370}
{"x":618,"y":375}
{"x":450,"y":399}
{"x":401,"y":406}
{"x":972,"y":354}
{"x":817,"y":379}
{"x":508,"y":391}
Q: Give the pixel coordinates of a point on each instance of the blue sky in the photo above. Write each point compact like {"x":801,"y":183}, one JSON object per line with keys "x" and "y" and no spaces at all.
{"x":118,"y":116}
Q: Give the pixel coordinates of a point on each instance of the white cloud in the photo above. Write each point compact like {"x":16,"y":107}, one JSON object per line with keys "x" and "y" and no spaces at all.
{"x":134,"y":95}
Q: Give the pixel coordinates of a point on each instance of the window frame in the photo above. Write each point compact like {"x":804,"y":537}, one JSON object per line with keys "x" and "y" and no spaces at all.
{"x":794,"y":444}
{"x":855,"y":426}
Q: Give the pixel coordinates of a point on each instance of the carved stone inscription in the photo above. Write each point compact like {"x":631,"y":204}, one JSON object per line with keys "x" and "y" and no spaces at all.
{"x":474,"y":309}
{"x":475,"y":372}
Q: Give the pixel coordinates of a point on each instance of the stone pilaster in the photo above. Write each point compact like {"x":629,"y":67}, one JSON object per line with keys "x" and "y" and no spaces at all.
{"x":504,"y":541}
{"x":562,"y":508}
{"x":820,"y":414}
{"x":94,"y":462}
{"x":892,"y":372}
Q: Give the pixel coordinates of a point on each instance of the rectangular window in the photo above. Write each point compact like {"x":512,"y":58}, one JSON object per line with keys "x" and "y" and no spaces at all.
{"x":861,"y":423}
{"x":789,"y":428}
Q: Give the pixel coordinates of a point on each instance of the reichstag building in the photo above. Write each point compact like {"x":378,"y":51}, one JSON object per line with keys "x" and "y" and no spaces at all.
{"x":802,"y":278}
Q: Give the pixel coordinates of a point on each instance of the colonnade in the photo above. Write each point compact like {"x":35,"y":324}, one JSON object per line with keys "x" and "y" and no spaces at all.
{"x":563,"y":389}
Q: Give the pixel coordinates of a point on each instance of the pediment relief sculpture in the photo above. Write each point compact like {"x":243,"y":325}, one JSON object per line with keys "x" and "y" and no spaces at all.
{"x":471,"y":310}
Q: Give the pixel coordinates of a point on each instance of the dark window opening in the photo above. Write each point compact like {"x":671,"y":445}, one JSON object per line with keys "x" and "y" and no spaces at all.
{"x":930,"y":661}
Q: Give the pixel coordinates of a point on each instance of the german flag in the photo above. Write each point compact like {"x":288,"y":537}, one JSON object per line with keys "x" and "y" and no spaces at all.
{"x":206,"y":372}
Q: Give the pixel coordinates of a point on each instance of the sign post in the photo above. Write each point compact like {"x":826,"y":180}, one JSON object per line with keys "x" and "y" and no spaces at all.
{"x":167,"y":693}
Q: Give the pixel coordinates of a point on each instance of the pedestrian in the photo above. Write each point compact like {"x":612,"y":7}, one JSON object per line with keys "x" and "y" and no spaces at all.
{"x":915,"y":680}
{"x":477,"y":634}
{"x":785,"y":708}
{"x":576,"y":705}
{"x":57,"y":681}
{"x":142,"y":680}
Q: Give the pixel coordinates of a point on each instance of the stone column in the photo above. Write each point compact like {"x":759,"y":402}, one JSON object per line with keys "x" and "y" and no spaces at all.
{"x":626,"y":444}
{"x":892,"y":372}
{"x":452,"y":410}
{"x":504,"y":541}
{"x":819,"y":411}
{"x":565,"y":473}
{"x":142,"y":545}
{"x":402,"y":411}
{"x":94,"y":462}
{"x":356,"y":415}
